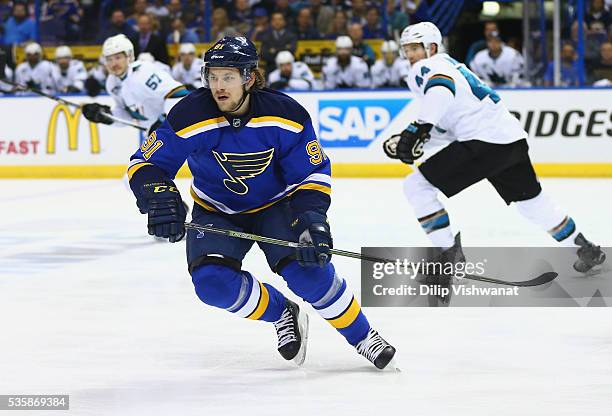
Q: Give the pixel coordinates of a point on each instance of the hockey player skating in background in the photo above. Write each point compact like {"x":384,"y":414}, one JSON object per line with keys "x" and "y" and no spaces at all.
{"x":35,"y":72}
{"x":498,"y":65}
{"x":345,"y":70}
{"x":391,"y":70}
{"x":290,"y":74}
{"x":257,"y":167}
{"x":140,"y":90}
{"x":187,"y":69}
{"x":68,"y":74}
{"x":485,"y":142}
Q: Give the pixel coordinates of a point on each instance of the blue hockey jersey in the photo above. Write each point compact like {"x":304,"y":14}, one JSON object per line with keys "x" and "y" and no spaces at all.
{"x":239,"y":165}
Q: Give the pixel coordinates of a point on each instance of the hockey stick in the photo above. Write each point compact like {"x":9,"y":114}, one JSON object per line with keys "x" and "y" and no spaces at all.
{"x":536,"y":281}
{"x":70,"y":103}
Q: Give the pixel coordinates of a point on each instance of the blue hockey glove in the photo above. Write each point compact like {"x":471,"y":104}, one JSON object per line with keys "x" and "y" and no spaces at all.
{"x":164,"y":206}
{"x":411,"y":142}
{"x":312,"y":230}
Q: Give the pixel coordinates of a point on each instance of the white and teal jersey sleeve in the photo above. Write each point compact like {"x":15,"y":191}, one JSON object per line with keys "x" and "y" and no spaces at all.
{"x":454,"y":99}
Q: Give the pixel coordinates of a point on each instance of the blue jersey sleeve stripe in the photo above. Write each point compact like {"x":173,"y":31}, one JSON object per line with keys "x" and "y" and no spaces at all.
{"x":442,"y":81}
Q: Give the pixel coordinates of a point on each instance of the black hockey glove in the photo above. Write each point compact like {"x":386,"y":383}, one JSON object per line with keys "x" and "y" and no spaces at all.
{"x":156,"y":125}
{"x":312,"y":231}
{"x":164,"y":206}
{"x":94,"y":113}
{"x":411,"y":142}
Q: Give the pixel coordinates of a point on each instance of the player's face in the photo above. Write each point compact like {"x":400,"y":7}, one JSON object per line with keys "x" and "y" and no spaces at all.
{"x":187,"y":59}
{"x":286,"y":69}
{"x":414,"y":52}
{"x":33,"y":58}
{"x":117,"y":64}
{"x":63,"y":63}
{"x":226,"y":87}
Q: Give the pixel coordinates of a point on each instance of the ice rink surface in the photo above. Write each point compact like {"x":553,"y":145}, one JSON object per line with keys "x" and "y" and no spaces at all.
{"x":90,"y":306}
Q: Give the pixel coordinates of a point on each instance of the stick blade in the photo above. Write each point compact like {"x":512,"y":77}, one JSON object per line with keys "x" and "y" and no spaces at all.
{"x":540,"y":280}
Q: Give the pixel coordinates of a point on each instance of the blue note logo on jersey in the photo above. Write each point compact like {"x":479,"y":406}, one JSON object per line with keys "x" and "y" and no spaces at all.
{"x":356,"y":123}
{"x":242,"y":166}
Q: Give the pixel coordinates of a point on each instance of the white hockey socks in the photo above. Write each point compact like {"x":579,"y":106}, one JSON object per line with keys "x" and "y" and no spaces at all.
{"x":432,"y":216}
{"x":544,"y":213}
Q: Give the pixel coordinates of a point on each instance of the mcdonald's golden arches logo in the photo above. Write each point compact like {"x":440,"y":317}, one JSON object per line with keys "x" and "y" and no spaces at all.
{"x":72,"y":127}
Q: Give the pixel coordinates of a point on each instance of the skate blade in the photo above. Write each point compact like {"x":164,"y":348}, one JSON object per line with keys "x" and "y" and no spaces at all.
{"x":303,"y":325}
{"x":392,"y":366}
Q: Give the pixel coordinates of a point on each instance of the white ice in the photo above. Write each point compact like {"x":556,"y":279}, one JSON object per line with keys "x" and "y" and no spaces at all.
{"x":90,"y":306}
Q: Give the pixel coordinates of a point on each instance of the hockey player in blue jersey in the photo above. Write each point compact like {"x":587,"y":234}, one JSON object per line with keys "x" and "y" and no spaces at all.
{"x":257,"y":167}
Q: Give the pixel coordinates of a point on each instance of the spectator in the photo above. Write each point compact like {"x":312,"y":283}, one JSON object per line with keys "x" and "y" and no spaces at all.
{"x":592,"y":42}
{"x":282,"y":6}
{"x":475,"y":47}
{"x":117,"y":25}
{"x":68,"y":74}
{"x":390,"y":71}
{"x":373,"y":28}
{"x":360,"y":48}
{"x":305,"y":29}
{"x":339,"y":25}
{"x":180,"y":34}
{"x":157,"y":9}
{"x":6,"y":10}
{"x":498,"y":65}
{"x":276,"y":39}
{"x":358,"y":11}
{"x":598,"y":18}
{"x":323,"y":16}
{"x":19,"y":28}
{"x":569,"y":68}
{"x":140,"y":8}
{"x":193,"y":13}
{"x":220,"y":25}
{"x":397,"y":19}
{"x":147,"y":41}
{"x":175,"y":9}
{"x":602,"y":68}
{"x":241,"y":16}
{"x":345,"y":70}
{"x":67,"y":13}
{"x":261,"y":24}
{"x":187,"y":69}
{"x":35,"y":72}
{"x":290,"y":74}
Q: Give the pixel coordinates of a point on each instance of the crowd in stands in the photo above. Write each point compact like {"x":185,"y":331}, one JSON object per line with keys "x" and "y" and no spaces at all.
{"x":278,"y":25}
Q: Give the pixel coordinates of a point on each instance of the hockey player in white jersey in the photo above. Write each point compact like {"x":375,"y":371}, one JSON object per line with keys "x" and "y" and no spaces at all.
{"x":140,"y":90}
{"x":345,"y":70}
{"x":187,"y":69}
{"x":498,"y":65}
{"x":4,"y":87}
{"x":290,"y":74}
{"x":148,"y":57}
{"x":35,"y":72}
{"x":484,"y":142}
{"x":68,"y":74}
{"x":391,"y":70}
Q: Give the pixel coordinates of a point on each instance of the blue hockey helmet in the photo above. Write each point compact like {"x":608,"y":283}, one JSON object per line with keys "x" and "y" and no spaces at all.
{"x":231,"y":52}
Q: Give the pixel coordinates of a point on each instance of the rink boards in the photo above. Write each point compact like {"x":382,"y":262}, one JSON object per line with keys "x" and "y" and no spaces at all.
{"x":569,"y":133}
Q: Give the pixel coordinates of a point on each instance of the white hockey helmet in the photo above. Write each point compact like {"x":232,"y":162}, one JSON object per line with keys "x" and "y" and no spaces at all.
{"x":33,"y":49}
{"x":145,"y":57}
{"x":424,"y":32}
{"x":63,"y":52}
{"x":389,"y":46}
{"x":117,"y":44}
{"x":187,"y":48}
{"x":344,"y":42}
{"x":284,"y":57}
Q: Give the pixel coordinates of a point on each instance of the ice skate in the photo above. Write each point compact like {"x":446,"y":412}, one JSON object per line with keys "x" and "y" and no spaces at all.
{"x":292,"y":332}
{"x":378,"y":351}
{"x":589,"y":255}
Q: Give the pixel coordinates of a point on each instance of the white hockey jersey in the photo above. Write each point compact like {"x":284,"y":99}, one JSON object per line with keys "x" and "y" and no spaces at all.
{"x":355,"y":75}
{"x":75,"y":77}
{"x":301,"y":78}
{"x":144,"y":94}
{"x":4,"y":87}
{"x":453,"y":99}
{"x":40,"y":75}
{"x":384,"y":75}
{"x":190,"y":77}
{"x":505,"y":70}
